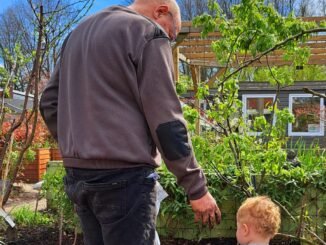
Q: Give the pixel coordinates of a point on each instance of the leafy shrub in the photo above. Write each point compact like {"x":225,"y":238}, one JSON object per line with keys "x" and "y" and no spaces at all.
{"x":30,"y":155}
{"x":53,"y":190}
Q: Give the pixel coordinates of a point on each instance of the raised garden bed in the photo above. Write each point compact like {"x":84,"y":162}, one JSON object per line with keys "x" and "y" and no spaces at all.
{"x":33,"y":172}
{"x":55,"y":154}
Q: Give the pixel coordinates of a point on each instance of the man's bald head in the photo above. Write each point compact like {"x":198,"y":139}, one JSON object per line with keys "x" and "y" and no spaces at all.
{"x":172,"y":3}
{"x":157,"y":10}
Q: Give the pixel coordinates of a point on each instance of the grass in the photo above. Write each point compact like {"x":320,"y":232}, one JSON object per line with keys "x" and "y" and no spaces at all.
{"x":26,"y":217}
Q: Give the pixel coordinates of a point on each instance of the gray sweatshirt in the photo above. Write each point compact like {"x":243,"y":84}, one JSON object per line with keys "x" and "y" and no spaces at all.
{"x":111,"y":100}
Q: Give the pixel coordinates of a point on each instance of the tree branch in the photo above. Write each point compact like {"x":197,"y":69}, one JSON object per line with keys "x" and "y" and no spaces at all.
{"x":305,"y":227}
{"x":310,"y":91}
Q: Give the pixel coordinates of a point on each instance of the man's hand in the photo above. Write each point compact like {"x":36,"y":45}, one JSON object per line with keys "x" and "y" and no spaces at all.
{"x":206,"y":210}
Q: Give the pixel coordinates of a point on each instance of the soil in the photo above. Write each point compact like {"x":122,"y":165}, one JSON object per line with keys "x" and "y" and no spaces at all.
{"x":39,"y":236}
{"x":221,"y":241}
{"x":50,"y":236}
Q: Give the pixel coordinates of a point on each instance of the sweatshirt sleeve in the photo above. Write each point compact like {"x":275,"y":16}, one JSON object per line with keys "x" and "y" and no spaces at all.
{"x":164,"y":116}
{"x":49,"y":102}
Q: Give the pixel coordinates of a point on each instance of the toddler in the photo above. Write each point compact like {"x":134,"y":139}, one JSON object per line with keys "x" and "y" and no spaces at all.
{"x":258,"y":220}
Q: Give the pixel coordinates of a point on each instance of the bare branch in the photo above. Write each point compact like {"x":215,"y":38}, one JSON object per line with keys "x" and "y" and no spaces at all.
{"x":310,"y":91}
{"x":295,"y":220}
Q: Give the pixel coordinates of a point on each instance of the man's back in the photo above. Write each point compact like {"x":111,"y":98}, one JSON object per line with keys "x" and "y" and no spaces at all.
{"x":99,"y":113}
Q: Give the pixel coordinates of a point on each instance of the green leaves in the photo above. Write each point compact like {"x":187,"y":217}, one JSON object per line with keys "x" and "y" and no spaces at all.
{"x":183,"y":85}
{"x":190,"y":115}
{"x":265,"y":42}
{"x":323,"y":24}
{"x":203,"y":91}
{"x":255,"y":29}
{"x":208,"y":22}
{"x":25,"y":216}
{"x":53,"y":189}
{"x":16,"y":62}
{"x":252,"y":159}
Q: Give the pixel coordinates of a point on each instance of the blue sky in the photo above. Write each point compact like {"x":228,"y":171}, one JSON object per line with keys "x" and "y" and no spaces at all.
{"x":98,"y":4}
{"x":101,"y":4}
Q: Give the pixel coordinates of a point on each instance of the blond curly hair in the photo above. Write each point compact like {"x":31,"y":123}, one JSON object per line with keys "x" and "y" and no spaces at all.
{"x":263,"y":214}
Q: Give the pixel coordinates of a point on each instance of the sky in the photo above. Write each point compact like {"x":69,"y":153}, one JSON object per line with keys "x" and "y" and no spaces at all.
{"x":98,"y":4}
{"x":101,"y":4}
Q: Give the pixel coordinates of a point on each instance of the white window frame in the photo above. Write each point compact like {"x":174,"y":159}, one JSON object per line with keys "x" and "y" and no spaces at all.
{"x":321,"y":122}
{"x":244,"y":107}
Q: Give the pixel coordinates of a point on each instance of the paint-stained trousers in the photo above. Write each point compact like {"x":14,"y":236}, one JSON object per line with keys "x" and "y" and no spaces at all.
{"x":115,"y":207}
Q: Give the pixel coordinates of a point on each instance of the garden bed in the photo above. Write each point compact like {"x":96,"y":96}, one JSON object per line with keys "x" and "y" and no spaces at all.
{"x":50,"y":236}
{"x":40,"y":236}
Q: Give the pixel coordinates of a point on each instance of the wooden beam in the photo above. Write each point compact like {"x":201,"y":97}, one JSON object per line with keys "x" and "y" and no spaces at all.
{"x":275,"y":54}
{"x":186,"y":24}
{"x":279,"y":58}
{"x":200,"y":55}
{"x":175,"y":53}
{"x":204,"y":44}
{"x":215,"y":76}
{"x":211,"y":56}
{"x":316,"y":18}
{"x":312,"y":51}
{"x":308,"y":19}
{"x":315,"y":45}
{"x":196,"y":42}
{"x":215,"y":63}
{"x":194,"y":76}
{"x":201,"y":49}
{"x":211,"y":34}
{"x":205,"y":63}
{"x":194,"y":49}
{"x":284,"y":63}
{"x":208,"y":41}
{"x":318,"y":38}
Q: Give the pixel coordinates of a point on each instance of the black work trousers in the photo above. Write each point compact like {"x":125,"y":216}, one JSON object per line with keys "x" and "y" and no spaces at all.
{"x":115,"y":207}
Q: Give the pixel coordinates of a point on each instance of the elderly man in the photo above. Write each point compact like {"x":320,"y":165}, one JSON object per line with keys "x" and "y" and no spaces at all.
{"x":111,"y":103}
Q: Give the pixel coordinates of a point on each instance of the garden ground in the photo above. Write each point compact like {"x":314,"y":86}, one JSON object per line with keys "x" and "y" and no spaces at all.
{"x":43,"y":235}
{"x":49,"y":236}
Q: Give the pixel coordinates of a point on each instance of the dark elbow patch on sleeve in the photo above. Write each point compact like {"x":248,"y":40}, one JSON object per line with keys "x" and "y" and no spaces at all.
{"x":173,"y":139}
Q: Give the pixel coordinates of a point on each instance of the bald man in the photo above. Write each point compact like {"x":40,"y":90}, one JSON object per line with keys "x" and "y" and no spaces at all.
{"x":112,"y":106}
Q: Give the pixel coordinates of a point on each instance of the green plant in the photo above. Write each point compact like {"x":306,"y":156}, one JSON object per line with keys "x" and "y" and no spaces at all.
{"x":53,"y":190}
{"x":309,"y":73}
{"x":183,"y":85}
{"x":30,"y":155}
{"x":3,"y":227}
{"x":246,"y":162}
{"x":26,"y":217}
{"x":191,"y":115}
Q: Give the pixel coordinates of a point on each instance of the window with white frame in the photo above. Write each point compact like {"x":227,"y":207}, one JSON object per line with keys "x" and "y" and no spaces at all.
{"x":256,"y":105}
{"x":308,"y":112}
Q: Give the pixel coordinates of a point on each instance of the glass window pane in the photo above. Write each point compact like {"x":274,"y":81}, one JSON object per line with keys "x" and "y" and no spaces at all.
{"x":258,"y":107}
{"x":306,"y":111}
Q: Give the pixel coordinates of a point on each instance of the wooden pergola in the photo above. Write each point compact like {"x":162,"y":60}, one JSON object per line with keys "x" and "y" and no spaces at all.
{"x":197,"y":52}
